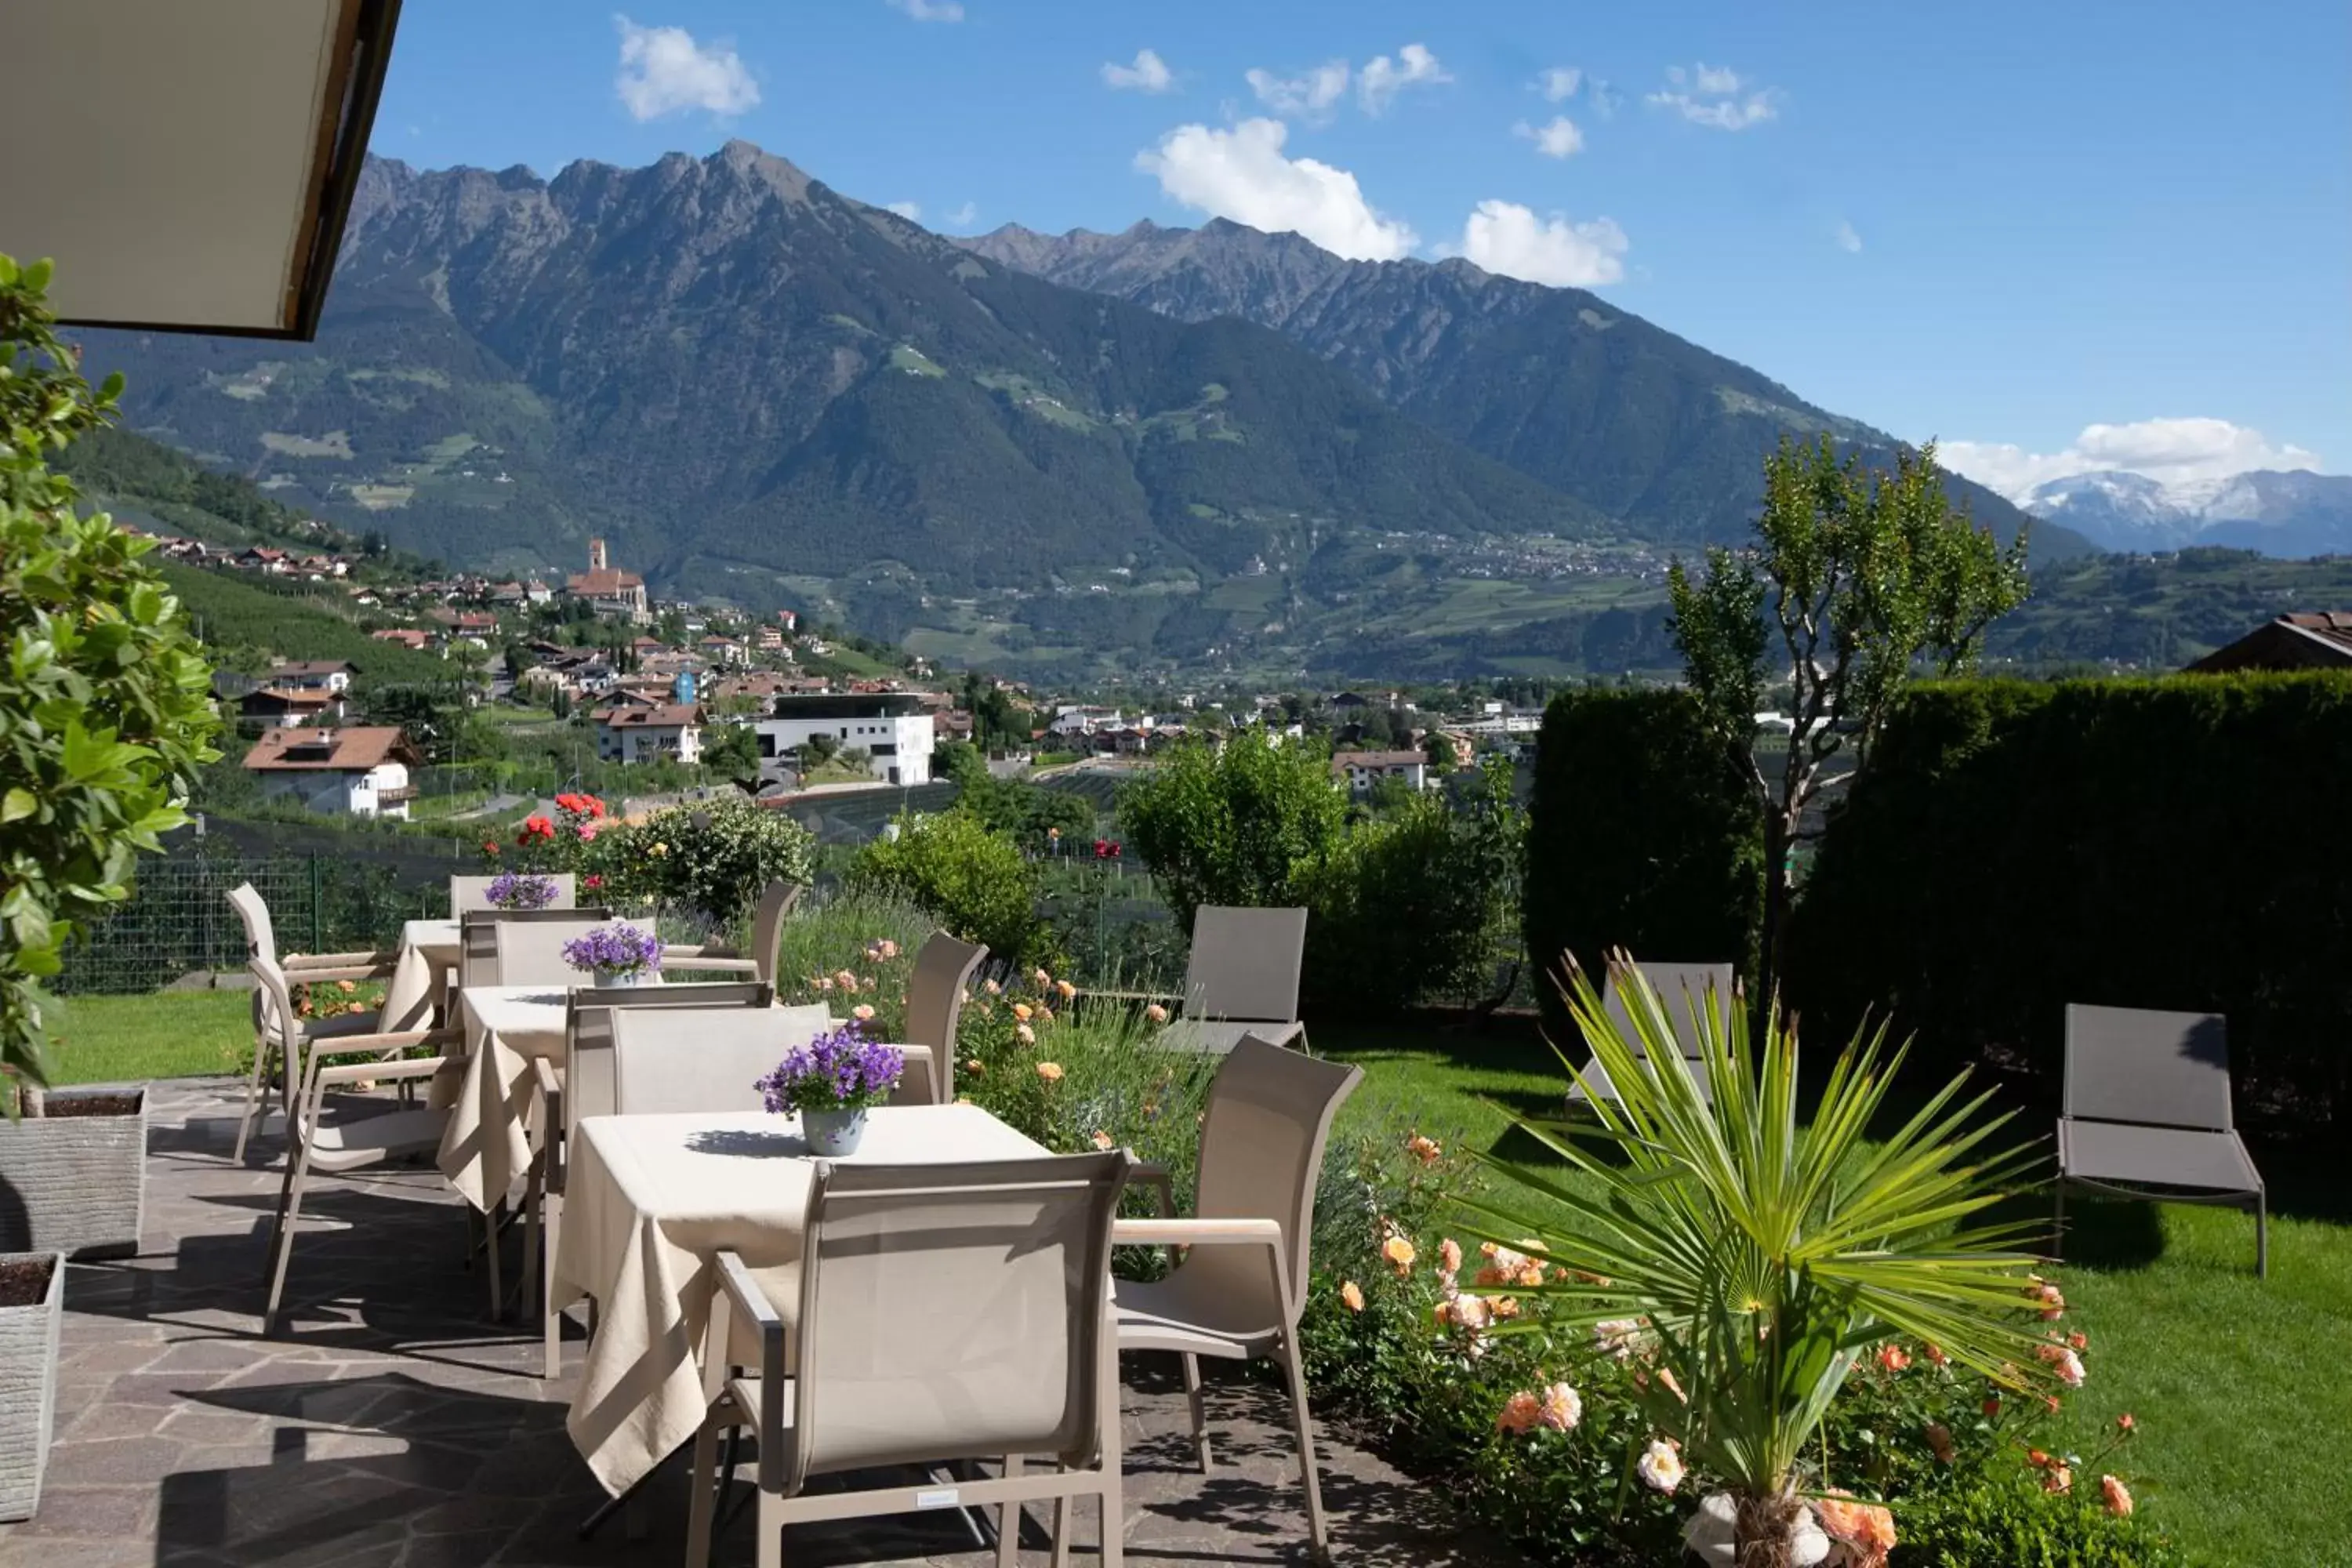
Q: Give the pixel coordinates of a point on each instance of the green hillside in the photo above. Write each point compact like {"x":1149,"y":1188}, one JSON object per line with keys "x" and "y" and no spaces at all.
{"x":244,"y":623}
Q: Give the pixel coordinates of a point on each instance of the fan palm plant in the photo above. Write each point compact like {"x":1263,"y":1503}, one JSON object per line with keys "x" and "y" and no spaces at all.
{"x":1762,"y":1254}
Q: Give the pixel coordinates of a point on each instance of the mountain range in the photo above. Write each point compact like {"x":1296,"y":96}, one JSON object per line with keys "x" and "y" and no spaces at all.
{"x":2292,"y":512}
{"x":1168,"y":445}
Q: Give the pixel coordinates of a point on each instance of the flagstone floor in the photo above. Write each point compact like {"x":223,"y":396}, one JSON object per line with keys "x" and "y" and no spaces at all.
{"x":394,"y":1426}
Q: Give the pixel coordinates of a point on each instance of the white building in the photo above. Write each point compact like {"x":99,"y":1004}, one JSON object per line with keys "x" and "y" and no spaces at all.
{"x":893,"y":728}
{"x":1361,"y":769}
{"x":1073,"y":719}
{"x":310,"y":675}
{"x":358,"y":772}
{"x":644,"y":734}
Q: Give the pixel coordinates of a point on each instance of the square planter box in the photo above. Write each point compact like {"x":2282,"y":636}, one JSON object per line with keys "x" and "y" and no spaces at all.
{"x":29,"y":1380}
{"x":74,"y":1178}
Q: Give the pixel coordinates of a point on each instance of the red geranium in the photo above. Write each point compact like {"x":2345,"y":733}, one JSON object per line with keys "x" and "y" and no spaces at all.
{"x":533,"y":828}
{"x":490,"y":846}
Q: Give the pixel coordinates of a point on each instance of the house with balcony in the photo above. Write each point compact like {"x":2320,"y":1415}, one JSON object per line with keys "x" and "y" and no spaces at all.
{"x":649,"y":732}
{"x":363,"y":771}
{"x":329,"y":675}
{"x":1362,"y":770}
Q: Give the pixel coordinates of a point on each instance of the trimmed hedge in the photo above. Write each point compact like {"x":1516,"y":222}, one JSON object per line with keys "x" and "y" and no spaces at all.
{"x":1640,"y":835}
{"x":2179,"y":843}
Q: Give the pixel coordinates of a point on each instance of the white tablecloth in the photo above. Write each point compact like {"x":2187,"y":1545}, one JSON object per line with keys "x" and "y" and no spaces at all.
{"x":428,"y":951}
{"x":650,"y":1200}
{"x":487,"y":1141}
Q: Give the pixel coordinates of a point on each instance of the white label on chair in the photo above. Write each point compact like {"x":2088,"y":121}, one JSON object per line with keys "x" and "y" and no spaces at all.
{"x":945,"y":1496}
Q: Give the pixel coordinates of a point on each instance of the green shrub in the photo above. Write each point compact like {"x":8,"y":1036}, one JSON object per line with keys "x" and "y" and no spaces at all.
{"x":105,"y":714}
{"x":715,"y":859}
{"x":870,"y":938}
{"x":1639,"y":835}
{"x":2177,"y":843}
{"x":974,"y":882}
{"x":1234,"y":826}
{"x":1415,"y":904}
{"x":1997,"y":1516}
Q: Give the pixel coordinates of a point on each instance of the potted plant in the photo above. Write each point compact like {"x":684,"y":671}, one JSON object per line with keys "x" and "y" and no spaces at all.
{"x":616,"y":954}
{"x":520,"y":890}
{"x":832,"y":1082}
{"x":73,"y":1172}
{"x":32,"y":1305}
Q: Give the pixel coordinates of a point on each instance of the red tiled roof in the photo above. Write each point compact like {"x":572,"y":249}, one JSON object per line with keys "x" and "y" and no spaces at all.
{"x":352,"y":751}
{"x":669,"y":716}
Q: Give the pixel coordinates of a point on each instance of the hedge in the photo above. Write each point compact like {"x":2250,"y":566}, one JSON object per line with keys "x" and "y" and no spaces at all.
{"x":1640,"y":835}
{"x":2180,"y":843}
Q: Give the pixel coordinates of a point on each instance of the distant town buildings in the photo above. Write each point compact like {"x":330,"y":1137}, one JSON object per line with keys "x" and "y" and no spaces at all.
{"x":608,"y":591}
{"x":650,"y":732}
{"x":894,"y":728}
{"x":1362,"y":770}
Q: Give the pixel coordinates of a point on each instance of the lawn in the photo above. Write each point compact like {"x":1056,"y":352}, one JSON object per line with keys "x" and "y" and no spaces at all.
{"x":2236,"y":1383}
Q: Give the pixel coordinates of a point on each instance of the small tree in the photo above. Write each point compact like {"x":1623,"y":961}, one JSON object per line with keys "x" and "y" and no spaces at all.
{"x":1865,"y":576}
{"x":1236,"y":826}
{"x":105,"y":704}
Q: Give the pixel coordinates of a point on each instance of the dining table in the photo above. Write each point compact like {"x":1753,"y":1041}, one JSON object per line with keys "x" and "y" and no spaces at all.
{"x":650,"y":1202}
{"x":417,"y":994}
{"x":503,"y":1029}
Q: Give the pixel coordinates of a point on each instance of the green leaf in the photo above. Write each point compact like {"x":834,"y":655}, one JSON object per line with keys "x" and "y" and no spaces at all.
{"x":17,"y":804}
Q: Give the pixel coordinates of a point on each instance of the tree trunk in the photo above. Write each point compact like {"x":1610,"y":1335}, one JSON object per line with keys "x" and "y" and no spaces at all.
{"x":1779,"y":839}
{"x":1765,"y":1531}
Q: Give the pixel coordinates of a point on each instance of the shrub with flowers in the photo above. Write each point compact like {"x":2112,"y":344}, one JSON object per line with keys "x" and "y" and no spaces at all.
{"x":713,"y":859}
{"x":840,"y":1069}
{"x":616,"y":950}
{"x":564,"y":842}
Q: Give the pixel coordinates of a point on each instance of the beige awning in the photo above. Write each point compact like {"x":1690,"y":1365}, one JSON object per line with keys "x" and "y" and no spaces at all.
{"x":188,"y":163}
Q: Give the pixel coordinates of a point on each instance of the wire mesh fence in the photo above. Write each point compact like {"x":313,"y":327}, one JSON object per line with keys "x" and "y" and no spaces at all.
{"x":178,"y":920}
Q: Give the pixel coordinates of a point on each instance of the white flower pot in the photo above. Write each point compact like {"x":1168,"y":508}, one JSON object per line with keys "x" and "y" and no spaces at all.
{"x":1712,"y":1534}
{"x":74,"y":1184}
{"x":28,"y":1391}
{"x":623,"y":979}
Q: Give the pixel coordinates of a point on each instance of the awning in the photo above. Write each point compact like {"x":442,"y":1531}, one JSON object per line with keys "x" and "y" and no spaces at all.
{"x":188,"y":163}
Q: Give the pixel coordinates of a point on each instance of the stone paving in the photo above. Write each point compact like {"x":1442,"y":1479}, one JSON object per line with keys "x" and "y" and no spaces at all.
{"x":394,"y":1426}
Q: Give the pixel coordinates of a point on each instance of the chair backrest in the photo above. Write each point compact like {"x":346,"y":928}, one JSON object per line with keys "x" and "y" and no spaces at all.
{"x":1683,"y":989}
{"x":260,"y":935}
{"x":1244,"y":964}
{"x":473,"y":893}
{"x":2162,"y":1069}
{"x":768,"y":925}
{"x":935,"y":1001}
{"x":1021,"y":1248}
{"x":588,"y":1082}
{"x":478,"y":940}
{"x":274,"y":996}
{"x":665,"y":1062}
{"x":525,"y":945}
{"x":1262,"y":1138}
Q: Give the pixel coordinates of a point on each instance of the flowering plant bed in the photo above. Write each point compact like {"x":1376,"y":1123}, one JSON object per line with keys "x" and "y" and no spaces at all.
{"x":616,"y":951}
{"x":520,"y":890}
{"x":840,"y":1069}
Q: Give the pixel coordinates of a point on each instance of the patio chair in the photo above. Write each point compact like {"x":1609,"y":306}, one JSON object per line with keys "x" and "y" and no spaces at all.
{"x":666,"y":1062}
{"x":934,"y":1005}
{"x":767,"y":930}
{"x":333,"y":1143}
{"x":478,"y":938}
{"x":531,"y":951}
{"x":1239,"y":1290}
{"x":471,"y":895}
{"x":268,"y":1038}
{"x":1242,"y":979}
{"x":1682,"y":989}
{"x":584,"y":1087}
{"x":2146,"y":1114}
{"x":848,"y":1372}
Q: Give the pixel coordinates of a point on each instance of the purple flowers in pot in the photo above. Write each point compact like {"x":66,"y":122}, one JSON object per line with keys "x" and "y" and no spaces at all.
{"x":840,"y":1069}
{"x":615,"y":950}
{"x":520,"y":890}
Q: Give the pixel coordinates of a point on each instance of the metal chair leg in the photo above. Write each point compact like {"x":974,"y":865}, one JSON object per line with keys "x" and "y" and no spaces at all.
{"x":1315,"y":1530}
{"x":1200,"y":1408}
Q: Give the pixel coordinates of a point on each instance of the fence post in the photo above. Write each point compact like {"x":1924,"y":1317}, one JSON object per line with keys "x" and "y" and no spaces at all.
{"x":318,"y":907}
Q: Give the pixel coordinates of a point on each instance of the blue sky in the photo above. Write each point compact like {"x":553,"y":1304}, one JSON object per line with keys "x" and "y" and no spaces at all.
{"x":2057,"y":236}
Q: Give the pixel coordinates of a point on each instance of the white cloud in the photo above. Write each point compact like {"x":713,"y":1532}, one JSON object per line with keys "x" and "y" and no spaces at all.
{"x":1604,"y":98}
{"x":664,"y":71}
{"x":1715,"y":97}
{"x":963,"y":216}
{"x":1309,"y":96}
{"x":1242,"y":175}
{"x":1149,"y":73}
{"x":1505,"y":238}
{"x":911,"y":211}
{"x":1848,"y":239}
{"x":1559,"y":83}
{"x":1560,"y":139}
{"x":930,"y":10}
{"x":2170,"y":451}
{"x":1381,"y":79}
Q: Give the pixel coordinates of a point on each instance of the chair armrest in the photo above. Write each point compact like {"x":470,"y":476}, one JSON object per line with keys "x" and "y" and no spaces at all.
{"x":744,"y":1296}
{"x":543,"y":1070}
{"x":378,"y":1045}
{"x":1136,"y":995}
{"x":381,"y":1072}
{"x":327,"y":973}
{"x":694,"y":959}
{"x":1195,"y":1232}
{"x":1153,"y":1174}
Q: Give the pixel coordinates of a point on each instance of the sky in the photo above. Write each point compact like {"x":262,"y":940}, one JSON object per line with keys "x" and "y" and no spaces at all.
{"x":2056,"y":237}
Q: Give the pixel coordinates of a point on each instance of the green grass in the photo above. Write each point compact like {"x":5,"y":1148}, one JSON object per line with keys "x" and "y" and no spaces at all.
{"x":2235,"y":1383}
{"x":177,"y":1034}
